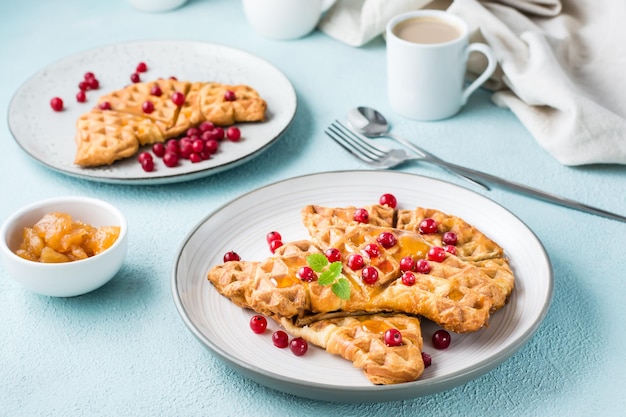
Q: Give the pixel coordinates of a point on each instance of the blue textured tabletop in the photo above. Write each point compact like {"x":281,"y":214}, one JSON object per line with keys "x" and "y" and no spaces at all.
{"x":123,"y":349}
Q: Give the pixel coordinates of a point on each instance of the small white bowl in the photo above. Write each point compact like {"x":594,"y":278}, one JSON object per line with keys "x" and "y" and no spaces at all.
{"x":71,"y":278}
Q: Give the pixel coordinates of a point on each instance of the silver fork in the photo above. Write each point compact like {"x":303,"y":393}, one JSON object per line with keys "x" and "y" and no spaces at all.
{"x":384,"y":159}
{"x":363,"y":149}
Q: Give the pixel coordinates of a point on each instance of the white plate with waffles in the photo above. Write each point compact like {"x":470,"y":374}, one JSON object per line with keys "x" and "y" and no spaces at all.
{"x":242,"y":225}
{"x":48,"y":136}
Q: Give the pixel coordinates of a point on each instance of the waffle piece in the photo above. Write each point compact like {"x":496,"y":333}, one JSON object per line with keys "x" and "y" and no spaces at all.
{"x":472,"y":245}
{"x":317,"y":218}
{"x":455,"y":294}
{"x":360,"y":340}
{"x":190,"y":114}
{"x":103,"y":137}
{"x":131,"y":98}
{"x":247,"y":106}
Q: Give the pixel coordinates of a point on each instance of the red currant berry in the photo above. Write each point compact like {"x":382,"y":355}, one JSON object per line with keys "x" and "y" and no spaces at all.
{"x":428,"y":226}
{"x":205,"y":155}
{"x":386,"y":240}
{"x":233,"y":134}
{"x":147,"y":106}
{"x":298,"y":346}
{"x":89,"y":75}
{"x":135,"y":78}
{"x":307,"y":274}
{"x":229,"y":95}
{"x":369,"y":275}
{"x":426,"y":359}
{"x":56,"y":103}
{"x":81,"y":97}
{"x":218,"y":132}
{"x":388,"y":200}
{"x":83,"y":86}
{"x":258,"y":324}
{"x":211,"y":146}
{"x":173,"y":78}
{"x":333,"y":255}
{"x":105,"y":105}
{"x":170,"y":159}
{"x":156,"y":91}
{"x":93,"y":83}
{"x":272,"y":236}
{"x":275,"y":244}
{"x":147,"y":165}
{"x":158,"y":149}
{"x":231,"y":256}
{"x":280,"y":339}
{"x":392,"y":338}
{"x":193,"y":131}
{"x":141,"y":67}
{"x":437,"y":254}
{"x":197,"y":145}
{"x":449,"y":238}
{"x":355,"y":262}
{"x":178,"y":98}
{"x":206,"y":126}
{"x":361,"y":215}
{"x":422,"y":266}
{"x":372,"y":250}
{"x":451,"y":249}
{"x":441,"y":339}
{"x":195,"y":158}
{"x":407,"y":263}
{"x":408,"y":278}
{"x":143,"y":156}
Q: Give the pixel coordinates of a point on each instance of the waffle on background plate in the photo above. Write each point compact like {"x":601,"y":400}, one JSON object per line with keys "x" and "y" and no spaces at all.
{"x":119,"y":125}
{"x":459,"y":293}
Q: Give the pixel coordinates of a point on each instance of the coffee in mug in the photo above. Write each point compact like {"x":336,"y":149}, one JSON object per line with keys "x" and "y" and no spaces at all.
{"x":427,"y":52}
{"x":426,"y":30}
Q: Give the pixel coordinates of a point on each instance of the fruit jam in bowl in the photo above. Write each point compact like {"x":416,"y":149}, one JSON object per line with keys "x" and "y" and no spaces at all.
{"x":65,"y":246}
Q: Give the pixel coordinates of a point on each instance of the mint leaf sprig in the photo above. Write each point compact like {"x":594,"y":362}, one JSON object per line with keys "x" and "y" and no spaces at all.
{"x":330,"y":274}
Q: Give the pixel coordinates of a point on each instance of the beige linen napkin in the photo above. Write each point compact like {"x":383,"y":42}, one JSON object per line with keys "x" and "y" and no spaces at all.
{"x":562,"y":65}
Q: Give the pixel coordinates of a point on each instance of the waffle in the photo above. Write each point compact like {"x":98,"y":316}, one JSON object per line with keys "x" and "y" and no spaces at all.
{"x":360,"y":340}
{"x":103,"y":137}
{"x":247,"y":106}
{"x":203,"y":102}
{"x":472,"y":245}
{"x":455,"y":294}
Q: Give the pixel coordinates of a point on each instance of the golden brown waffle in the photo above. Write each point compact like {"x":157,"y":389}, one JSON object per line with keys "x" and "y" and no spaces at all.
{"x":131,"y":99}
{"x":360,"y":340}
{"x":247,"y":105}
{"x":454,"y":294}
{"x":317,"y":218}
{"x":103,"y":137}
{"x":472,"y":245}
{"x":103,"y":145}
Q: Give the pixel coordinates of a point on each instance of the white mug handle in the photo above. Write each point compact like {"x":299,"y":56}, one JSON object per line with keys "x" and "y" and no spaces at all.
{"x":491,"y":67}
{"x":326,"y":4}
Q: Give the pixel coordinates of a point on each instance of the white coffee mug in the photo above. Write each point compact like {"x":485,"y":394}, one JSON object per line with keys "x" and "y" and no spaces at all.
{"x":284,"y":19}
{"x":427,"y":53}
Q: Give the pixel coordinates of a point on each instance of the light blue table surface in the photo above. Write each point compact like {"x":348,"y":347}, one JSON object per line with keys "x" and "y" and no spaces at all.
{"x":123,"y":350}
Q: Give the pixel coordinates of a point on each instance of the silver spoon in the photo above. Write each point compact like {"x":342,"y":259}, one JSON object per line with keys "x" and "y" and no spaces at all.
{"x":372,"y":124}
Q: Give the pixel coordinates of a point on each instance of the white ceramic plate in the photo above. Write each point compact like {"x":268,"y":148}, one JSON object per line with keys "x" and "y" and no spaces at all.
{"x":48,"y":136}
{"x":242,"y":224}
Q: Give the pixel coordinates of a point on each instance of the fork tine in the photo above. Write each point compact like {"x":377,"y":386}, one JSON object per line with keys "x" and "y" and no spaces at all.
{"x":359,"y":140}
{"x":352,"y":143}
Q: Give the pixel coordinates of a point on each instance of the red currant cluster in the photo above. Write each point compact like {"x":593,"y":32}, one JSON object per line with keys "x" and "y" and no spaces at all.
{"x":198,"y":144}
{"x":280,"y":339}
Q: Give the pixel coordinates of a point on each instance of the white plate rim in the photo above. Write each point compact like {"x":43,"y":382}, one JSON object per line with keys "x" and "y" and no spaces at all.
{"x":288,"y":106}
{"x":373,"y":393}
